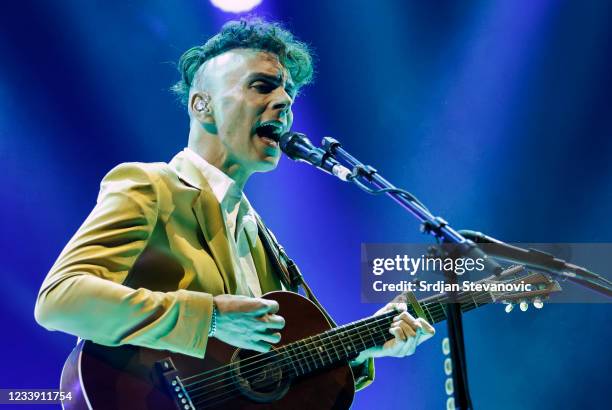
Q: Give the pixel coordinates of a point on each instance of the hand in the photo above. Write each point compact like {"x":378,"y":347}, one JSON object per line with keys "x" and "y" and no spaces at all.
{"x":249,"y":323}
{"x":408,"y":331}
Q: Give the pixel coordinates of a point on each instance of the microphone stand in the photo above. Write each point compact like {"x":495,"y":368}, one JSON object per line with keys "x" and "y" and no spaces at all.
{"x":443,"y":232}
{"x":538,"y":260}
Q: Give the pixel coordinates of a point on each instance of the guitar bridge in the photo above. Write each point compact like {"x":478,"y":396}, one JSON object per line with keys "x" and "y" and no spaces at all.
{"x":173,"y":383}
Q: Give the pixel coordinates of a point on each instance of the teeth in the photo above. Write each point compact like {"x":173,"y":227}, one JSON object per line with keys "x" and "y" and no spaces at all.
{"x":271,"y":131}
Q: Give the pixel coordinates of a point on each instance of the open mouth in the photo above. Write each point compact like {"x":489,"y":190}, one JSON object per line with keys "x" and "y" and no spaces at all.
{"x":269,"y":133}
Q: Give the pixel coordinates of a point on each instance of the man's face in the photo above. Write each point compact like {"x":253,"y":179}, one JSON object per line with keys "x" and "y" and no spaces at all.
{"x":251,"y":97}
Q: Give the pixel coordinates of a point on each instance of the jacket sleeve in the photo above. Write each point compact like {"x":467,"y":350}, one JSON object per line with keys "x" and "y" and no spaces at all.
{"x":364,"y":374}
{"x":83,"y":293}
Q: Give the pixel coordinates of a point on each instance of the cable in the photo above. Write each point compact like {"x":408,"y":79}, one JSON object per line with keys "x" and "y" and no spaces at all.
{"x":407,"y":195}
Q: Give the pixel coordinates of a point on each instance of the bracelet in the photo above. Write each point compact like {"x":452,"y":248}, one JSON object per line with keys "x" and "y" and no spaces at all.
{"x":213,"y":322}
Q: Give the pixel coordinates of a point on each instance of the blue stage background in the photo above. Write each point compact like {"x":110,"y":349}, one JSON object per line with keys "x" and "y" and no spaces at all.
{"x":496,"y":114}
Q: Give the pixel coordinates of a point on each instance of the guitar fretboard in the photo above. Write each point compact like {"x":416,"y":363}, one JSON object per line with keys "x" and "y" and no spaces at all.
{"x":345,"y":342}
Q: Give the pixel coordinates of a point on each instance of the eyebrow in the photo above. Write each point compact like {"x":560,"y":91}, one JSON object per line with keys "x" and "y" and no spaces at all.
{"x":289,"y":86}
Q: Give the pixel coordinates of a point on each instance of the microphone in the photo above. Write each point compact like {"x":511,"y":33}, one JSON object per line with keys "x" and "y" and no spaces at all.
{"x":299,"y":148}
{"x":530,"y":257}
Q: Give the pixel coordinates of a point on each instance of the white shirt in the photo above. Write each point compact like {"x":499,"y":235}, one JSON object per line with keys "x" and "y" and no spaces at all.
{"x":240,"y":223}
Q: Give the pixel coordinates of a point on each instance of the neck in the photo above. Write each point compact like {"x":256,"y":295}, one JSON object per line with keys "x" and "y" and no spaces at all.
{"x":209,"y":148}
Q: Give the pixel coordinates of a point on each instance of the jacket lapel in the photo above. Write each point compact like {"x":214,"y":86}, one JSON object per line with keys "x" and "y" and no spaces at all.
{"x":209,"y":217}
{"x":268,"y":280}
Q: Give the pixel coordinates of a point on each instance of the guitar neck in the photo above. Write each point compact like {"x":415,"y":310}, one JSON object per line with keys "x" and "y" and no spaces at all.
{"x":434,"y":307}
{"x":345,"y":342}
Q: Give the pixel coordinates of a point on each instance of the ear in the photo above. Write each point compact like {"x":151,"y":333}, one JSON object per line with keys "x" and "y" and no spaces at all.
{"x":200,"y":107}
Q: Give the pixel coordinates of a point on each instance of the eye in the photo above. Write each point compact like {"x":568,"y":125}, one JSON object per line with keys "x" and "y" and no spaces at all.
{"x":263,"y":87}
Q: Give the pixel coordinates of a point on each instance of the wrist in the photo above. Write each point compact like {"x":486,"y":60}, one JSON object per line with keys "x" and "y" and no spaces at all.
{"x":360,"y":359}
{"x":212,"y":330}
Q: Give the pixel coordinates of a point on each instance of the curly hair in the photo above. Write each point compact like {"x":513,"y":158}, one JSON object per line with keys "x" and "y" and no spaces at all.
{"x":253,"y":33}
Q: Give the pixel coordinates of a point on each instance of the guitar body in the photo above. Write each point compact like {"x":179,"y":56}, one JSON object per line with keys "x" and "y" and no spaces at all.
{"x":127,"y":377}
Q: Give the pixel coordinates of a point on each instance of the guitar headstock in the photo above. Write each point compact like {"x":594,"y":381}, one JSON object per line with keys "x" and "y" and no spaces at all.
{"x":534,"y":287}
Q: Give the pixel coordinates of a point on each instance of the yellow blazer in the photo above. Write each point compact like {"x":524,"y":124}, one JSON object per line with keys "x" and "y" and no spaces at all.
{"x":145,"y":264}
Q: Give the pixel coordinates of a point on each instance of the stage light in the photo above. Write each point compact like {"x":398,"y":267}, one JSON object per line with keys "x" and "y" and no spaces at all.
{"x":446,"y":346}
{"x":449,"y":387}
{"x":235,"y":6}
{"x":448,"y":366}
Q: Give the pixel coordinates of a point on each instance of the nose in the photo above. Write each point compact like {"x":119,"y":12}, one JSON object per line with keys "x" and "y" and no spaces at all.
{"x":282,"y":101}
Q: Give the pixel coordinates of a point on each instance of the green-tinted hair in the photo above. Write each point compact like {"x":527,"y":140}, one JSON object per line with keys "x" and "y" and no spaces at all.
{"x":253,"y":33}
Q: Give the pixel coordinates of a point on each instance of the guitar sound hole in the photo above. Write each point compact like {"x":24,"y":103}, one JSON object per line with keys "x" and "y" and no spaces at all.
{"x":259,"y":377}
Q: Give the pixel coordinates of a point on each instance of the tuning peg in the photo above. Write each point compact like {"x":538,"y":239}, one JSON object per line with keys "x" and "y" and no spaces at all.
{"x":537,"y":303}
{"x":524,"y":305}
{"x":509,"y":307}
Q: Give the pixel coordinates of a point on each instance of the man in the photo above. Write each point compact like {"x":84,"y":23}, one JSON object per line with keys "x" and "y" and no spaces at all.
{"x":171,"y":254}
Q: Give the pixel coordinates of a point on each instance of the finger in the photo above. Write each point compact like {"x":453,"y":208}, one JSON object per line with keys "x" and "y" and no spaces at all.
{"x":273,"y":321}
{"x":268,"y":337}
{"x":398,"y":333}
{"x":265,"y":306}
{"x":407,"y":328}
{"x":426,"y":326}
{"x":426,"y":332}
{"x":258,"y":346}
{"x":399,"y":307}
{"x":408,"y":318}
{"x":273,"y":306}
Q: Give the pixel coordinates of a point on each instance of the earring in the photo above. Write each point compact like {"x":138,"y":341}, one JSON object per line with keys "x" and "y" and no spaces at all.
{"x":202,"y":105}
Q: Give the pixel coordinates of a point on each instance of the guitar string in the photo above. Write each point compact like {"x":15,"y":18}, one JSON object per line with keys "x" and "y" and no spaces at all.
{"x":484,"y":297}
{"x":248,"y":362}
{"x":232,"y":390}
{"x":265,"y":356}
{"x":306,"y":344}
{"x":207,"y":399}
{"x":312,"y":364}
{"x":424,"y":302}
{"x":438,"y":310}
{"x":230,"y":393}
{"x":246,"y":366}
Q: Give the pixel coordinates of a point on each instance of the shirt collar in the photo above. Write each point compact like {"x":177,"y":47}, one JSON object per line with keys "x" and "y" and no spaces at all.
{"x":224,"y":187}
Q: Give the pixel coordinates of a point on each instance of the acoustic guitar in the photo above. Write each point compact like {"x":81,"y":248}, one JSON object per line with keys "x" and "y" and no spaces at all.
{"x":308,"y":369}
